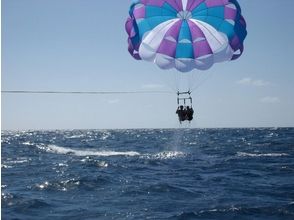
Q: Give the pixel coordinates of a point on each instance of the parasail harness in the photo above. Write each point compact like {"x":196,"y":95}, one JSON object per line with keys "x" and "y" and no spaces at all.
{"x":185,"y":110}
{"x":184,"y":98}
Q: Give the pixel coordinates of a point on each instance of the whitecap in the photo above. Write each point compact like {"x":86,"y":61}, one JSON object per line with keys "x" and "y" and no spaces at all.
{"x":165,"y":155}
{"x":7,"y":196}
{"x":244,"y":154}
{"x":62,"y":165}
{"x":28,"y":143}
{"x":102,"y":164}
{"x":105,"y":135}
{"x":5,"y":166}
{"x":88,"y":152}
{"x":18,"y":160}
{"x":75,"y":136}
{"x":232,"y":208}
{"x":43,"y":185}
{"x":97,"y":163}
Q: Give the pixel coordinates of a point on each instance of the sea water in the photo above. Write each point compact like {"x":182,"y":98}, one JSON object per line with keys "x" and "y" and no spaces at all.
{"x":148,"y":174}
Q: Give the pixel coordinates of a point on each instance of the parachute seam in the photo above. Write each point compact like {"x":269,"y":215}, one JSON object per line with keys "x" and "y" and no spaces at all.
{"x":208,"y":31}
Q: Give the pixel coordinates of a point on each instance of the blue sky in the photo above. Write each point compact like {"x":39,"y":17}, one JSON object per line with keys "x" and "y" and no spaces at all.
{"x":77,"y":45}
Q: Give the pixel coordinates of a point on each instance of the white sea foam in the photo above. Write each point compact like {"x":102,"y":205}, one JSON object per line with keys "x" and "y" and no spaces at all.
{"x":244,"y":154}
{"x":165,"y":155}
{"x":96,"y":162}
{"x":43,"y":185}
{"x":18,"y":160}
{"x":88,"y":152}
{"x":4,"y":166}
{"x":28,"y":143}
{"x":232,"y":208}
{"x":105,"y":135}
{"x":62,"y":165}
{"x":75,"y":136}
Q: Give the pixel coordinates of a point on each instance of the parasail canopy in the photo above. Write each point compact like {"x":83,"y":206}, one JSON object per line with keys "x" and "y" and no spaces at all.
{"x":185,"y":34}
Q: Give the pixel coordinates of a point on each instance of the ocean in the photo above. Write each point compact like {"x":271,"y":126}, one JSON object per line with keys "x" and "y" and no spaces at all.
{"x":148,"y":174}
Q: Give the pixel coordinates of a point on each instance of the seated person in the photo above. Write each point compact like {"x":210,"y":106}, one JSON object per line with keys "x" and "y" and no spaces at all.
{"x":189,"y":113}
{"x":181,"y":113}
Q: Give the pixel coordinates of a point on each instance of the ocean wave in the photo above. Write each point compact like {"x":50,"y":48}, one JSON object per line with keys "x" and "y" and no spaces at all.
{"x":216,"y":212}
{"x":63,"y":185}
{"x":4,"y":166}
{"x":166,"y":187}
{"x":244,"y":154}
{"x":185,"y":215}
{"x":75,"y":136}
{"x":96,"y":163}
{"x":9,"y":199}
{"x":220,"y":213}
{"x":105,"y":135}
{"x":87,"y":152}
{"x":6,"y":196}
{"x":28,"y":143}
{"x":165,"y":155}
{"x":87,"y":183}
{"x":18,"y":160}
{"x":5,"y":140}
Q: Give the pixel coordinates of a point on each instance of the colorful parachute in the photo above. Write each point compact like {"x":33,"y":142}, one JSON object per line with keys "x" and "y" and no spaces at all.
{"x":186,"y":34}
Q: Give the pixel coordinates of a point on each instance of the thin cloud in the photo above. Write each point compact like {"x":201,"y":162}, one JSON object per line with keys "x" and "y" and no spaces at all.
{"x":152,"y":86}
{"x":252,"y":82}
{"x":113,"y":101}
{"x":270,"y":99}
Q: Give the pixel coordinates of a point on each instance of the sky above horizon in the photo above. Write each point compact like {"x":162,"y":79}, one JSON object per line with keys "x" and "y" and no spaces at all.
{"x":77,"y":45}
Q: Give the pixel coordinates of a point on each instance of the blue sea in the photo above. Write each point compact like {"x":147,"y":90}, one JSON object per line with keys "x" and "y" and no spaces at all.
{"x":148,"y":174}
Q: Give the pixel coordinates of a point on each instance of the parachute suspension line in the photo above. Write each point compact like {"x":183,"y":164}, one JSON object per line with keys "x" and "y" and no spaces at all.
{"x":201,"y":79}
{"x":176,"y":81}
{"x":83,"y":92}
{"x":191,"y":80}
{"x":184,"y":85}
{"x":196,"y":79}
